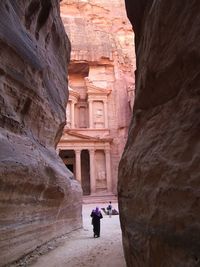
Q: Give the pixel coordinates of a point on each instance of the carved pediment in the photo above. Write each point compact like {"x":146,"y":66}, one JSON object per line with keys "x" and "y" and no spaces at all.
{"x":92,"y":89}
{"x":70,"y":135}
{"x":73,"y":94}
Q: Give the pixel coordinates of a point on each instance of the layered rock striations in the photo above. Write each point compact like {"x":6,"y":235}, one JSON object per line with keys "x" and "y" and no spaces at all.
{"x":39,"y":199}
{"x":159,"y":174}
{"x":102,"y":38}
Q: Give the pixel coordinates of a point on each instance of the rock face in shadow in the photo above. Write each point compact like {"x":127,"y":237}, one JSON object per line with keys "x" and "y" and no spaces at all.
{"x":39,"y":199}
{"x":159,"y":173}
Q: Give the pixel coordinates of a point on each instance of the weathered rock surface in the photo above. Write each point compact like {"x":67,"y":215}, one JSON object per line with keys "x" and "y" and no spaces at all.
{"x":39,"y":199}
{"x":159,"y":174}
{"x":102,"y":41}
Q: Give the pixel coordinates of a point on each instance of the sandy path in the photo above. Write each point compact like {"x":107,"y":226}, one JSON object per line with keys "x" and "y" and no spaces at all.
{"x":80,"y":249}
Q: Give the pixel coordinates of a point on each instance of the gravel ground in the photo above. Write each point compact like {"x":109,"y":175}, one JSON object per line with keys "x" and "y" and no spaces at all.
{"x":80,"y":249}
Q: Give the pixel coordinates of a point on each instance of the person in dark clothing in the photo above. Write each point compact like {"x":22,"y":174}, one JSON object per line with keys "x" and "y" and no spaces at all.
{"x":96,"y":217}
{"x":109,"y":209}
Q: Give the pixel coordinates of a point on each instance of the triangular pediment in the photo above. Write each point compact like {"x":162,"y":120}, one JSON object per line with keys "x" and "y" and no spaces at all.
{"x":73,"y":93}
{"x":70,"y":135}
{"x":98,"y":91}
{"x":80,"y":136}
{"x":93,"y":89}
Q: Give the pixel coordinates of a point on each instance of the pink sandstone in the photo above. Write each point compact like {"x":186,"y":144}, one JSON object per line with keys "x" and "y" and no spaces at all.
{"x":101,"y":80}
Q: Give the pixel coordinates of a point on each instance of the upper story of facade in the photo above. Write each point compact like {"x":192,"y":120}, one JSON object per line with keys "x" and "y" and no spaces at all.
{"x":88,"y":108}
{"x":101,"y":70}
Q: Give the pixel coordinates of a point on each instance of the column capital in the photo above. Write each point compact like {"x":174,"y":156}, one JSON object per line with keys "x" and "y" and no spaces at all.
{"x":77,"y":151}
{"x":70,"y":101}
{"x":107,"y":147}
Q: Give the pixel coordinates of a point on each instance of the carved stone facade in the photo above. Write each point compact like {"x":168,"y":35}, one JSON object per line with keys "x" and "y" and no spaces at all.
{"x":101,"y":92}
{"x":86,"y":143}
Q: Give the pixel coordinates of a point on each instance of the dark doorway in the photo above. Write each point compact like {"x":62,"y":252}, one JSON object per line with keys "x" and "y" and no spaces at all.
{"x":68,"y":157}
{"x":85,"y":172}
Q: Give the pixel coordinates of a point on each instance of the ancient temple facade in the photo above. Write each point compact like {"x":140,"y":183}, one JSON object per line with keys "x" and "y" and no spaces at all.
{"x":101,"y":92}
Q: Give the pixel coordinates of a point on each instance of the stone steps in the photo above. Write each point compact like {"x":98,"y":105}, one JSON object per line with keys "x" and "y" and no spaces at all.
{"x":104,"y":198}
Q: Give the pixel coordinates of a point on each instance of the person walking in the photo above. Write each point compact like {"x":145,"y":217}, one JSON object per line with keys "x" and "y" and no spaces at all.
{"x":109,"y":208}
{"x":96,"y":217}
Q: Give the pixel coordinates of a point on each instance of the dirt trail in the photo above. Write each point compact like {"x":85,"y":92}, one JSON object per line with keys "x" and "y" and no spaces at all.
{"x":80,"y":249}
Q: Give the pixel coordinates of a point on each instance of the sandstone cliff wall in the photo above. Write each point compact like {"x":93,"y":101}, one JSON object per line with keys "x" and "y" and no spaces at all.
{"x":39,"y":200}
{"x":159,"y":174}
{"x":102,"y":37}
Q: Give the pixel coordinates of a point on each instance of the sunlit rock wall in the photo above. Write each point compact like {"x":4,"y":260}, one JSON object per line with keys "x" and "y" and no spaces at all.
{"x":159,"y":179}
{"x":102,"y":37}
{"x":39,"y":199}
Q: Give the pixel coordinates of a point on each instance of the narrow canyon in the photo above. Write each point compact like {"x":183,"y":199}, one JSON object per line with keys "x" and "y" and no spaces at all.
{"x":157,"y":181}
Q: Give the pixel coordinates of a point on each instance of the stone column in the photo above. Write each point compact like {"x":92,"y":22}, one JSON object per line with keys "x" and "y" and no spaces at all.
{"x":91,"y":114}
{"x":78,"y":165}
{"x":105,"y":113}
{"x":72,"y":114}
{"x":92,"y":172}
{"x":68,"y":115}
{"x":108,"y":170}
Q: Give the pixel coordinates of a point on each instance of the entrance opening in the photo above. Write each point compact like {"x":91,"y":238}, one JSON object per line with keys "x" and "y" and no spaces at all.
{"x":85,"y":172}
{"x":68,"y":157}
